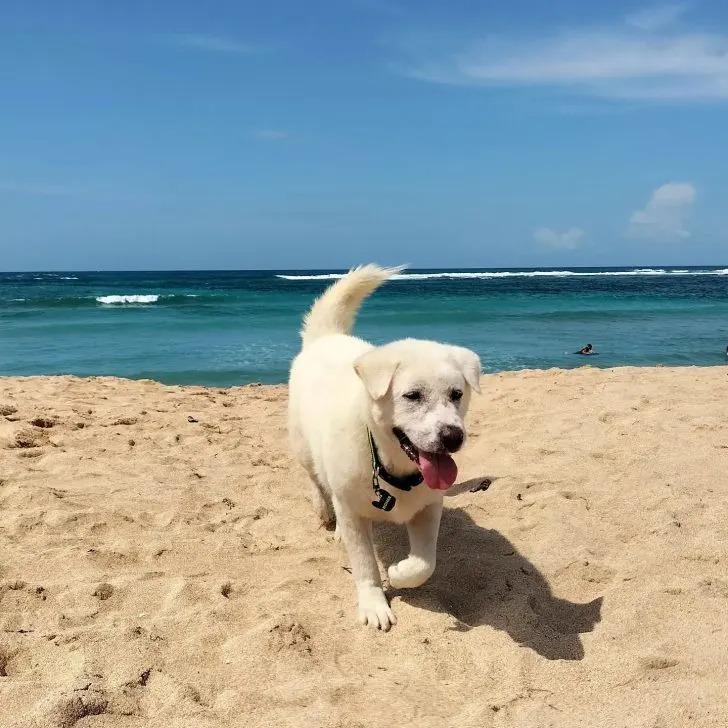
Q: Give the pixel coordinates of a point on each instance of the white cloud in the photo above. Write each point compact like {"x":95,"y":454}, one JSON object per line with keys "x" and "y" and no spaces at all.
{"x":664,"y":216}
{"x":656,"y":16}
{"x":567,"y":240}
{"x":212,"y":43}
{"x":640,"y":57}
{"x":271,"y":135}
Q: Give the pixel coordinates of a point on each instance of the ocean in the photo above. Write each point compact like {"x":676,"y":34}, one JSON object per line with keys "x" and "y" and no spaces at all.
{"x":223,"y":328}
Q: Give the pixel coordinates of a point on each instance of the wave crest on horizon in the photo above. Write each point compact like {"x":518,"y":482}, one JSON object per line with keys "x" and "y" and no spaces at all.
{"x":148,"y":298}
{"x":513,"y":274}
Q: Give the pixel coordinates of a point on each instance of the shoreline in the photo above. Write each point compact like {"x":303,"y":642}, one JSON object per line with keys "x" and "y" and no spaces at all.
{"x":160,"y":564}
{"x":499,"y":373}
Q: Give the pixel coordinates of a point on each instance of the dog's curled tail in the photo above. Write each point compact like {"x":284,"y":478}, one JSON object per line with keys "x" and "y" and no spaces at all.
{"x":335,"y":310}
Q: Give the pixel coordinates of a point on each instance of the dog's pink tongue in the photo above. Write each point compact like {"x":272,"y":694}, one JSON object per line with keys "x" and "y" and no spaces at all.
{"x":438,"y":469}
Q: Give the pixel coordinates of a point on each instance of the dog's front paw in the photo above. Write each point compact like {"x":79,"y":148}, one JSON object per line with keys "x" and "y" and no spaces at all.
{"x":410,"y":572}
{"x":374,"y":609}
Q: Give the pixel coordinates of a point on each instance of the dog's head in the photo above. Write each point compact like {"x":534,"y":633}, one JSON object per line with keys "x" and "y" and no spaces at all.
{"x":420,"y":391}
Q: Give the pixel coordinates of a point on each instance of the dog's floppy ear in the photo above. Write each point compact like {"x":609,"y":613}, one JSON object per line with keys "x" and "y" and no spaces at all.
{"x":469,"y":364}
{"x":376,"y":369}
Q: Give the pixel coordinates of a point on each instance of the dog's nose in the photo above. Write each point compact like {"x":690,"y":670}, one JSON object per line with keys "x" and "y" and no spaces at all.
{"x":452,"y":438}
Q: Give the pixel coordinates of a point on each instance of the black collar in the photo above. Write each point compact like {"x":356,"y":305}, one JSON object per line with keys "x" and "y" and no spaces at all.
{"x":385,"y":500}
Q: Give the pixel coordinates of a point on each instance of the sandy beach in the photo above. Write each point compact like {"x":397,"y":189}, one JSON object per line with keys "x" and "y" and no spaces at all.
{"x":160,"y":564}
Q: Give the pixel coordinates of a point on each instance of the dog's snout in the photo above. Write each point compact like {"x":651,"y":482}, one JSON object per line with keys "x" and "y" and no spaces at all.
{"x":452,"y":438}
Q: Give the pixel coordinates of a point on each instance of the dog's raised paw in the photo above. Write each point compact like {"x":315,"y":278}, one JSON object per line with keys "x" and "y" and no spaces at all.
{"x":410,"y":573}
{"x":374,"y":610}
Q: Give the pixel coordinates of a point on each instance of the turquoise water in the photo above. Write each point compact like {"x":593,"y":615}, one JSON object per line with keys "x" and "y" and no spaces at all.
{"x":231,"y":327}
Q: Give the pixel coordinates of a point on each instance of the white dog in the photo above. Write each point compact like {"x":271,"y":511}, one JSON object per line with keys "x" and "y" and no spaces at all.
{"x":369,"y":425}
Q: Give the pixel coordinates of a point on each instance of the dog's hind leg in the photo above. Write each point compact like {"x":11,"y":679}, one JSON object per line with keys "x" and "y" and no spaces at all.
{"x":320,"y":498}
{"x":417,"y":568}
{"x":321,"y":502}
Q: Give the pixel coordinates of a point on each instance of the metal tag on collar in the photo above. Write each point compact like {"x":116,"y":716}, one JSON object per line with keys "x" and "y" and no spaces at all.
{"x":386,"y":501}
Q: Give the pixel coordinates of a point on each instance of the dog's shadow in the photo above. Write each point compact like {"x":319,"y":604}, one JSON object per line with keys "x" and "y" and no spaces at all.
{"x":481,"y":578}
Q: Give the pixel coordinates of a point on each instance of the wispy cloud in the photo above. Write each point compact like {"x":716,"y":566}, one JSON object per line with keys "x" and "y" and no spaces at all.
{"x":271,"y":135}
{"x":656,"y":16}
{"x":639,"y":57}
{"x":212,"y":43}
{"x":569,"y":239}
{"x":664,"y":217}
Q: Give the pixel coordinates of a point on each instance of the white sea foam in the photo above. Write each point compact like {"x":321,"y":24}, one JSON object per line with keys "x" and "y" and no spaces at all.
{"x":321,"y":277}
{"x":69,"y":278}
{"x":516,"y":274}
{"x":150,"y":298}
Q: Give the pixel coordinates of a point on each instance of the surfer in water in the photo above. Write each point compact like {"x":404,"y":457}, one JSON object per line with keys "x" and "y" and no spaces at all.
{"x":588,"y":350}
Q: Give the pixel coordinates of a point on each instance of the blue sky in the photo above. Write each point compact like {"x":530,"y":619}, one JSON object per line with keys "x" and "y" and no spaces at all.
{"x":236,"y":134}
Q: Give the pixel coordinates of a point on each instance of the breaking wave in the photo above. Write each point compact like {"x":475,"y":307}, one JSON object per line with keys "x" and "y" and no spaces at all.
{"x":517,"y":274}
{"x":150,"y":298}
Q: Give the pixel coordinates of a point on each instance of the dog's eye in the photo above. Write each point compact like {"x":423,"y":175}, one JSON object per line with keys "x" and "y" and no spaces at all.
{"x":413,"y":396}
{"x":456,"y":395}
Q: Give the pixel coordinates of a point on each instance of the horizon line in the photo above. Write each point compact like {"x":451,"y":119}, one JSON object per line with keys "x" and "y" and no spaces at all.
{"x":347,"y":268}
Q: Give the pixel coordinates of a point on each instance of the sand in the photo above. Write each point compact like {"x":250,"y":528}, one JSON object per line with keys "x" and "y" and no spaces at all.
{"x":160,"y":565}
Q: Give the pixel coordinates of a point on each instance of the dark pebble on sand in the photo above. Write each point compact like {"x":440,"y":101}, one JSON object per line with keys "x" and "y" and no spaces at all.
{"x":483,"y":485}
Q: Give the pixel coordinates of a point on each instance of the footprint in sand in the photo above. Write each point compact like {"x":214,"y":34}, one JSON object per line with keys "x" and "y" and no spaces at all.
{"x":5,"y":657}
{"x":658,"y":663}
{"x":69,"y":710}
{"x":288,"y":634}
{"x":715,"y":587}
{"x":589,"y":571}
{"x":103,"y":591}
{"x":30,"y":438}
{"x":124,"y":421}
{"x":571,"y":496}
